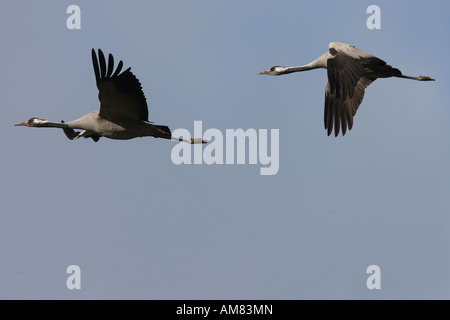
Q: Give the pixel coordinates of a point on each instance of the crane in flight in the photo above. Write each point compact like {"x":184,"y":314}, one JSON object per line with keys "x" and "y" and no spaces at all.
{"x":350,"y":70}
{"x":123,"y":110}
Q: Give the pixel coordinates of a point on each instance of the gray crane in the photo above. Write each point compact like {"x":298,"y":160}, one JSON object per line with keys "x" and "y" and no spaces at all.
{"x":123,"y":110}
{"x":350,"y":70}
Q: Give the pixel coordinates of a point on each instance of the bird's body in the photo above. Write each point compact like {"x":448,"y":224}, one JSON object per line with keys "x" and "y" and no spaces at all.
{"x":123,"y":110}
{"x":94,"y":124}
{"x":350,"y":70}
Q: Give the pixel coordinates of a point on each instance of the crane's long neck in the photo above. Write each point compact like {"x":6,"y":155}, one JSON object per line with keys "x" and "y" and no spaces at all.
{"x":49,"y":124}
{"x":320,"y":62}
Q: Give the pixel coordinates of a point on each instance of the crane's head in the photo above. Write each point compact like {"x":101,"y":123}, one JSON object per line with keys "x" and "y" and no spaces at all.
{"x":274,"y":71}
{"x":33,"y":122}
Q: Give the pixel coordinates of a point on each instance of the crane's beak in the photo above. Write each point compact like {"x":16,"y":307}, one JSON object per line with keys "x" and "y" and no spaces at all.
{"x":264,"y":72}
{"x":25,"y":123}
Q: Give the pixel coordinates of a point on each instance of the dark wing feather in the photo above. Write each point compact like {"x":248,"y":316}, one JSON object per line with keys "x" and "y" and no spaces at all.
{"x":101,"y":59}
{"x":120,"y":94}
{"x":110,"y":65}
{"x":119,"y":68}
{"x":95,"y":65}
{"x":339,"y":112}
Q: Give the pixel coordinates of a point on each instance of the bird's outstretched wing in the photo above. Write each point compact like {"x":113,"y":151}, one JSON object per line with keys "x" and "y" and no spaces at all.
{"x":350,"y":71}
{"x":339,"y":111}
{"x":120,"y":94}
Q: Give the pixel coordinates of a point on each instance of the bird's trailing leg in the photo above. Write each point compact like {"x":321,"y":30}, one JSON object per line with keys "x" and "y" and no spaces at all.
{"x":191,"y":140}
{"x":419,"y":78}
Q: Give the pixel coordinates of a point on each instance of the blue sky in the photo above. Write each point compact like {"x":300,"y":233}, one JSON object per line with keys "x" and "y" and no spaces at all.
{"x":141,"y":227}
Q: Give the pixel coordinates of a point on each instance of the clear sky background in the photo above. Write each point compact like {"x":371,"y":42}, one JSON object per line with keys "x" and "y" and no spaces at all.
{"x":141,"y":227}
